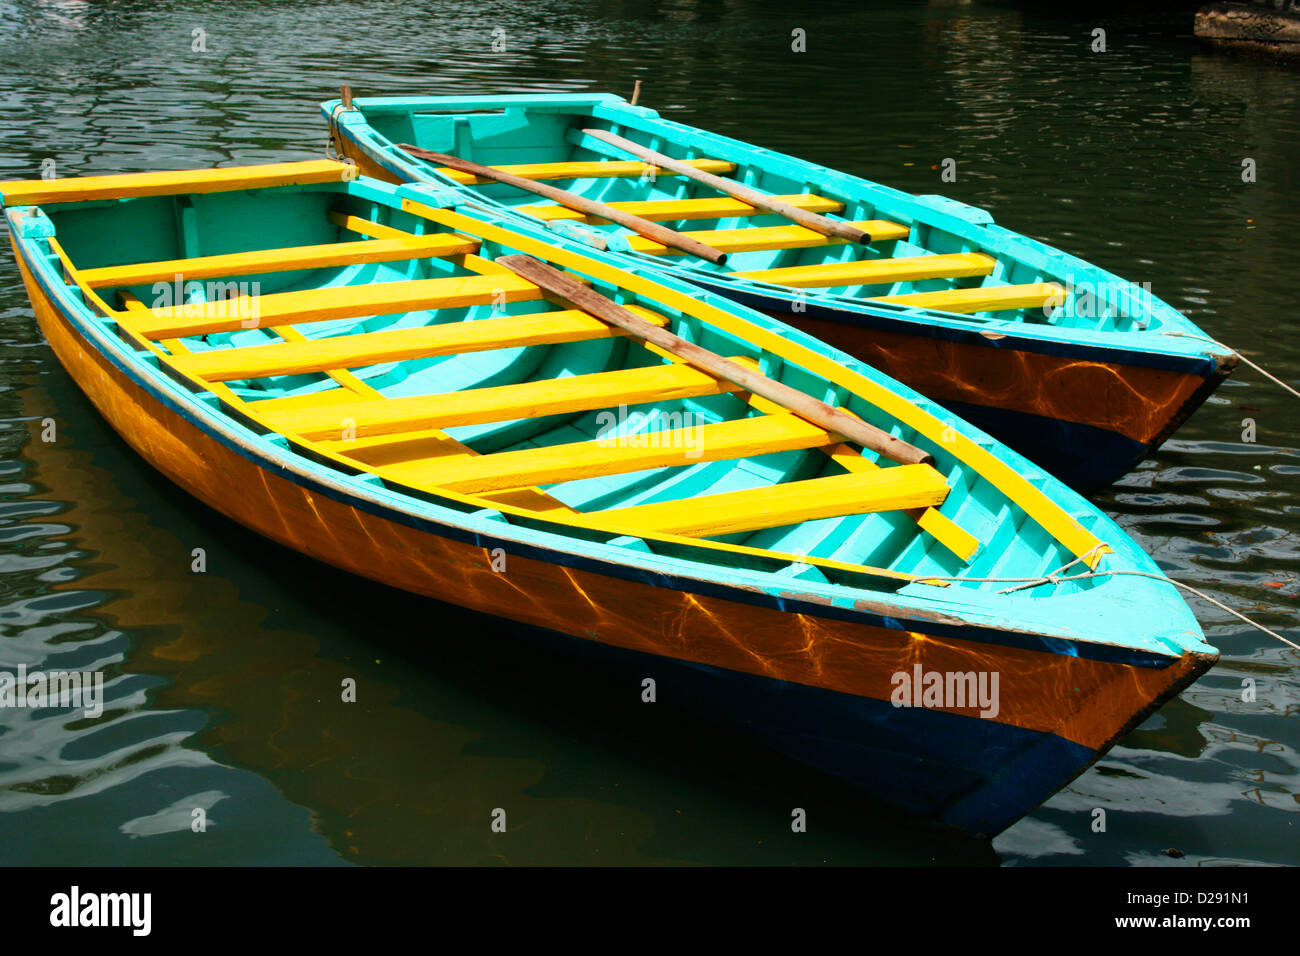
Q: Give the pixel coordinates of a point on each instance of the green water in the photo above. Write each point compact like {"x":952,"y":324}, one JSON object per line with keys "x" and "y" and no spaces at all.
{"x":223,"y":685}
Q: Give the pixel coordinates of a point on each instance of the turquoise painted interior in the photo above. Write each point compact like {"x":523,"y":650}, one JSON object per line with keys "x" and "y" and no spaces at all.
{"x":546,"y":129}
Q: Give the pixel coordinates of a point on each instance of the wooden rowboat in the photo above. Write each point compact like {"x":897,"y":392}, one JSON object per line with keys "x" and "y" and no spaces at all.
{"x":1082,"y":372}
{"x":362,"y":372}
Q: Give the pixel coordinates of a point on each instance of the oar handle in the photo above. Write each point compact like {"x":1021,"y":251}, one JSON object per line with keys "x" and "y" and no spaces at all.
{"x":643,"y":227}
{"x":835,"y":420}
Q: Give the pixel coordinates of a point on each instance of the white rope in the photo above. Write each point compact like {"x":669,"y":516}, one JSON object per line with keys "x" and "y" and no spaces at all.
{"x":1056,"y":578}
{"x":1262,"y":371}
{"x":1053,"y":577}
{"x":1187,"y":587}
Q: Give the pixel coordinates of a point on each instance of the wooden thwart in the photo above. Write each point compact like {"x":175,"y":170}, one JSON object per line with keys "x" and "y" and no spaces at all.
{"x":565,"y":288}
{"x":285,"y":259}
{"x":732,"y":188}
{"x":768,"y":237}
{"x":1033,"y":295}
{"x":763,"y":434}
{"x":344,"y":302}
{"x":133,"y":185}
{"x":889,"y":489}
{"x":674,"y":210}
{"x":398,"y":345}
{"x":575,"y":393}
{"x":643,"y":227}
{"x":876,"y":271}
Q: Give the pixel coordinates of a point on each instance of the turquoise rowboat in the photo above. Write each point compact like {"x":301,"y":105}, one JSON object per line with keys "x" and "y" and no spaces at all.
{"x":363,"y":373}
{"x":1084,"y":373}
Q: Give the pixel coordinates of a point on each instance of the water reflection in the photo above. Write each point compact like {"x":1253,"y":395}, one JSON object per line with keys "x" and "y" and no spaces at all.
{"x":224,"y":687}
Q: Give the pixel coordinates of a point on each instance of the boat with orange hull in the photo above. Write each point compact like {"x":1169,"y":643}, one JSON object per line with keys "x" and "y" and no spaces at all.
{"x":445,"y":401}
{"x":1081,"y":371}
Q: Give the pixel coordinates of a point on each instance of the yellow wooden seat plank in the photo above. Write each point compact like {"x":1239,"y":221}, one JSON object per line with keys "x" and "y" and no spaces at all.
{"x":397,"y":345}
{"x":674,"y":210}
{"x":615,"y":455}
{"x":768,"y":237}
{"x":587,"y":169}
{"x":889,"y":489}
{"x":124,"y":185}
{"x":284,"y":403}
{"x":574,"y":393}
{"x":876,"y":271}
{"x":285,"y":259}
{"x":343,"y":302}
{"x":1032,"y":295}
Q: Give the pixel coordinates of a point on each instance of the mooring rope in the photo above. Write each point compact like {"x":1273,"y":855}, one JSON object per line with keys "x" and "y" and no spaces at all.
{"x":1052,"y":578}
{"x":1056,"y":578}
{"x":1257,"y":367}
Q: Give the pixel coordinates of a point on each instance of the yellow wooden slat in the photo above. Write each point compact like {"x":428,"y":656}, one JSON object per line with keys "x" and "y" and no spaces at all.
{"x":364,"y":227}
{"x":948,"y":533}
{"x":616,"y":455}
{"x":876,"y":271}
{"x":574,"y":393}
{"x":905,"y":486}
{"x":131,"y":303}
{"x":398,"y":345}
{"x":943,"y":529}
{"x":592,"y":169}
{"x":344,"y":302}
{"x":768,"y":237}
{"x":40,"y":191}
{"x":285,"y":403}
{"x":675,"y":210}
{"x":345,"y":378}
{"x":286,"y":259}
{"x":1033,"y":295}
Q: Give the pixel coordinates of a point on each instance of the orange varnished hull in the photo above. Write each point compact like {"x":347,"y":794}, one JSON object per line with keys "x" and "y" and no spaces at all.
{"x":1143,"y":404}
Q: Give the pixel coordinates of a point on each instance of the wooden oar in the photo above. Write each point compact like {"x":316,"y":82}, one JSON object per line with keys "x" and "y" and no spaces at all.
{"x":644,"y":227}
{"x":832,"y":419}
{"x":810,"y":220}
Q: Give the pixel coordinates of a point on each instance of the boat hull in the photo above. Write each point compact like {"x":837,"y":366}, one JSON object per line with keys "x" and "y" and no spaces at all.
{"x":1086,"y":420}
{"x":817,"y":679}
